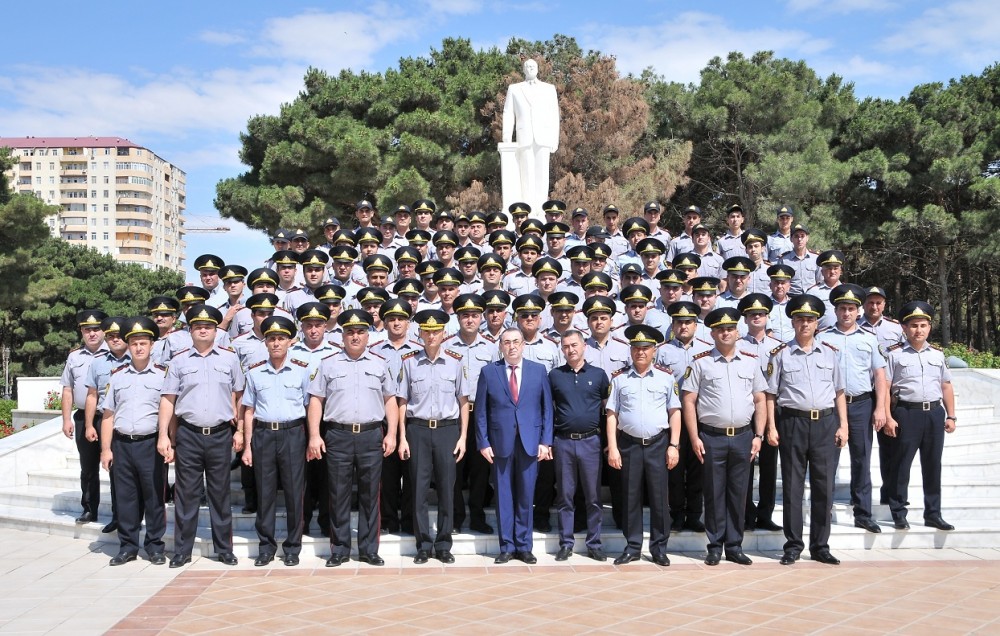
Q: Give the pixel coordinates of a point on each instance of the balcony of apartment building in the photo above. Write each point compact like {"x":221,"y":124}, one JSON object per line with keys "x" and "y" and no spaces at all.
{"x":138,"y":213}
{"x":68,"y":196}
{"x":72,"y":224}
{"x":24,"y":166}
{"x":75,"y":168}
{"x":72,"y":152}
{"x":69,"y":180}
{"x":139,"y":238}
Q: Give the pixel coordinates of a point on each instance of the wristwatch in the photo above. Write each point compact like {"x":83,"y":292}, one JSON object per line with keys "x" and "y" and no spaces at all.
{"x":677,"y":446}
{"x":952,"y":418}
{"x":759,"y":436}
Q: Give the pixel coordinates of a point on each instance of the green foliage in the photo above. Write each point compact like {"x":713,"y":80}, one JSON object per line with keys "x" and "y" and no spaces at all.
{"x":6,"y":411}
{"x":975,"y":359}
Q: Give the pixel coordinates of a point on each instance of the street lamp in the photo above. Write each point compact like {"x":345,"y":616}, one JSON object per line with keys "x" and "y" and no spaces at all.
{"x":5,"y":352}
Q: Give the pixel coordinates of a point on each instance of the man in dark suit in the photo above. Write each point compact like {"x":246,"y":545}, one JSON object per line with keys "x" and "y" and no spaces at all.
{"x":514,"y":432}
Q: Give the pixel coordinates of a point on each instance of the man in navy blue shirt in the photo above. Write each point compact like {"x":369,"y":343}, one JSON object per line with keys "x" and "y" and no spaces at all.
{"x":579,"y":391}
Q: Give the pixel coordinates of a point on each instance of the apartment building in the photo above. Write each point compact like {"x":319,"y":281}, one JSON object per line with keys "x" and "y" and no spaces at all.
{"x":113,"y":195}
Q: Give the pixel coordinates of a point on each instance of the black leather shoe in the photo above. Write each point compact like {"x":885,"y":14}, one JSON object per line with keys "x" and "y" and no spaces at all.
{"x":661,"y":559}
{"x":694,"y":525}
{"x":901,"y":524}
{"x":157,"y":558}
{"x":291,"y":560}
{"x":503,"y":557}
{"x":423,"y":556}
{"x":626,"y":557}
{"x":677,"y":524}
{"x":371,"y":559}
{"x":526,"y":557}
{"x":542,"y":524}
{"x":769,"y":525}
{"x":867,"y":524}
{"x":481,"y":526}
{"x":263,"y":559}
{"x":444,"y":556}
{"x":122,"y":558}
{"x":228,"y":558}
{"x":335,"y":560}
{"x":111,"y":527}
{"x":749,"y":526}
{"x":939,"y":523}
{"x":564,"y":553}
{"x":597,"y":554}
{"x":713,"y":558}
{"x":737,"y":556}
{"x":824,"y":556}
{"x":87,"y":517}
{"x":789,"y":558}
{"x":179,"y":560}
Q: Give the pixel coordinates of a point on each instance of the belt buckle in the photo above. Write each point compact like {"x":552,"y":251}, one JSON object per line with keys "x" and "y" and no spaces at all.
{"x":432,"y":423}
{"x":576,"y":435}
{"x":850,"y":399}
{"x":814,"y":414}
{"x":730,"y":431}
{"x":925,"y":406}
{"x":206,"y":430}
{"x":646,"y":441}
{"x":356,"y":428}
{"x":274,"y":426}
{"x":131,"y":436}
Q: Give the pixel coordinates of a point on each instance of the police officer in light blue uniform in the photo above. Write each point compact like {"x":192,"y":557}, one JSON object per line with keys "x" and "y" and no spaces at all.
{"x":274,"y":430}
{"x":802,"y":260}
{"x":781,"y":283}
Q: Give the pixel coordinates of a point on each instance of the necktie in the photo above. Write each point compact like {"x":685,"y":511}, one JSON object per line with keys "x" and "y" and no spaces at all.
{"x":513,"y":383}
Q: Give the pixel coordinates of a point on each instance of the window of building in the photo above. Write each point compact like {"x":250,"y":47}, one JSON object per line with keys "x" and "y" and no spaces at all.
{"x":52,"y":194}
{"x":107,"y":165}
{"x":105,"y":236}
{"x":93,"y":221}
{"x":93,"y":208}
{"x":93,"y":165}
{"x":52,"y":180}
{"x":38,"y":180}
{"x":93,"y":236}
{"x":93,"y":180}
{"x":105,"y":220}
{"x":105,"y":207}
{"x":38,"y":165}
{"x":93,"y":194}
{"x":107,"y":179}
{"x":105,"y":194}
{"x":55,"y":152}
{"x":52,"y":165}
{"x":38,"y":193}
{"x":107,"y":151}
{"x":135,"y":236}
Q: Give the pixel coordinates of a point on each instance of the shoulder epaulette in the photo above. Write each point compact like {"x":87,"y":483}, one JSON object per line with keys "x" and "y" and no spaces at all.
{"x":454,"y":354}
{"x":409,"y":354}
{"x":334,"y":344}
{"x":702,"y":355}
{"x":890,"y":319}
{"x":489,"y":337}
{"x":936,"y":347}
{"x":256,"y":364}
{"x":619,"y":371}
{"x":329,"y":356}
{"x":867,"y":328}
{"x":76,"y":348}
{"x":779,"y":348}
{"x":119,"y":368}
{"x":704,"y":341}
{"x":831,"y":346}
{"x":243,"y":335}
{"x":300,"y":363}
{"x":161,"y":367}
{"x":551,"y":339}
{"x":446,"y":338}
{"x":898,"y":345}
{"x":625,"y":342}
{"x":748,"y":354}
{"x":772,"y":338}
{"x":663,"y":368}
{"x":182,"y":351}
{"x":376,"y":355}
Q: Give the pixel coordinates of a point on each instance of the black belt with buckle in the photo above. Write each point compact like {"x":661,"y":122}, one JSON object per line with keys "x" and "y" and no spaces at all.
{"x":354,"y":427}
{"x":575,"y":436}
{"x":728,"y":431}
{"x":472,"y":406}
{"x":278,"y":426}
{"x":206,"y":430}
{"x":644,"y":441}
{"x":432,"y":424}
{"x":127,"y":437}
{"x":923,"y":406}
{"x":813,"y":414}
{"x":861,"y":397}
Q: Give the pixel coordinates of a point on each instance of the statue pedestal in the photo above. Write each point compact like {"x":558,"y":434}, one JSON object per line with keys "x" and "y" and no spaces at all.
{"x":510,"y":180}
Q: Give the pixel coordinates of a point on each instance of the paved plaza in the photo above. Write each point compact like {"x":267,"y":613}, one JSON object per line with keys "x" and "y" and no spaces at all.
{"x":60,"y":585}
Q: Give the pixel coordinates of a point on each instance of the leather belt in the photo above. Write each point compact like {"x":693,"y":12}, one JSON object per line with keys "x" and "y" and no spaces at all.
{"x":127,"y":437}
{"x":206,"y":430}
{"x":354,"y":427}
{"x":923,"y":406}
{"x":861,"y":397}
{"x":431,"y":424}
{"x":644,"y":441}
{"x":278,"y":426}
{"x":728,"y":431}
{"x":575,"y":436}
{"x":472,"y":406}
{"x":813,"y":414}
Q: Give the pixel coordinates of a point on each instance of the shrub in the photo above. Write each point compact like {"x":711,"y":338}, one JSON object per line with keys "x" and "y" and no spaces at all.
{"x":976,"y":359}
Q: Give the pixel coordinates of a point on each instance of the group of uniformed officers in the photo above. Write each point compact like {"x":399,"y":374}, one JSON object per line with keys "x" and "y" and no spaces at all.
{"x":354,"y":368}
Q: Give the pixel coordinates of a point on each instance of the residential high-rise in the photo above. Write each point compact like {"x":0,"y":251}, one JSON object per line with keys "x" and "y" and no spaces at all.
{"x":114,"y":196}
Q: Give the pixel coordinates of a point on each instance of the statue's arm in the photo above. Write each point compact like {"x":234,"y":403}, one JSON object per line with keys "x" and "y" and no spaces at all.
{"x":508,"y":117}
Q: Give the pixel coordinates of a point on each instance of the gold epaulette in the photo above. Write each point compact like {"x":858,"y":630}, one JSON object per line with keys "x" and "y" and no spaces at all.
{"x":835,"y":349}
{"x":936,"y":347}
{"x":161,"y":367}
{"x":898,"y":345}
{"x":409,"y":354}
{"x":300,"y":363}
{"x":619,"y":372}
{"x":779,"y":348}
{"x":701,"y":355}
{"x":454,"y":354}
{"x":663,"y":368}
{"x":488,"y":336}
{"x":747,"y":353}
{"x":256,"y":364}
{"x":119,"y":368}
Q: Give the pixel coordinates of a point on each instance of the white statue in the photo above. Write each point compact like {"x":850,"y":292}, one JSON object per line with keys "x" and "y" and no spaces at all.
{"x":532,"y":111}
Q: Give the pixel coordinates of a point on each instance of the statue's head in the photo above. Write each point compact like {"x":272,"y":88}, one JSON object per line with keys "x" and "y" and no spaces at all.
{"x":530,"y":69}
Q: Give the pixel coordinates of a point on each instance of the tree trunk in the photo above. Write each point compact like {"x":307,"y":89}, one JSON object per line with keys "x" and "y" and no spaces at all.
{"x":961,"y":298}
{"x":943,"y":283}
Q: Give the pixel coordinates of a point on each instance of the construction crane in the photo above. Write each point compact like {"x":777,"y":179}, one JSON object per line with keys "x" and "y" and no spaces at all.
{"x":205,"y":229}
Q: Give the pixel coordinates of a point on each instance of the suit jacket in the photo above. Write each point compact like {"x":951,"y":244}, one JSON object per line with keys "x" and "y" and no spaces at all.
{"x":532,"y":111}
{"x":500,"y":422}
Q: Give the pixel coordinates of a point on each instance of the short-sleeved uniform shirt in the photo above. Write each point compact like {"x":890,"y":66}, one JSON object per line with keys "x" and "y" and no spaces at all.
{"x":74,"y":375}
{"x":859,"y":357}
{"x":354,"y":390}
{"x":805,"y":380}
{"x":916,"y":376}
{"x":134,"y":398}
{"x":643,"y":402}
{"x":432,"y":388}
{"x":278,"y":394}
{"x":204,"y":385}
{"x":725,"y":388}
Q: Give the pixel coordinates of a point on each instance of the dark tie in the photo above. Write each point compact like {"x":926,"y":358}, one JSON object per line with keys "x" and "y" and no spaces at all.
{"x":513,"y":383}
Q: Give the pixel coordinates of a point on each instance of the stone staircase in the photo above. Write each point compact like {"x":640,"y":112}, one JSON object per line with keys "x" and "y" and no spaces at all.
{"x":39,"y":471}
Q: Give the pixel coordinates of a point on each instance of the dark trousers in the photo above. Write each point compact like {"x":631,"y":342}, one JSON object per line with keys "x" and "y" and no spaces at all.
{"x":803,"y":444}
{"x":687,"y":487}
{"x":921,"y":431}
{"x":90,"y":466}
{"x":645,"y":464}
{"x":279,"y":456}
{"x":859,"y":444}
{"x":578,"y":472}
{"x":767,"y":485}
{"x":139,"y":486}
{"x":473,"y":471}
{"x":431,"y":457}
{"x":886,"y":459}
{"x":727,"y":472}
{"x":350,"y":455}
{"x":545,"y":490}
{"x":397,"y":494}
{"x":196,"y":455}
{"x":317,"y":495}
{"x":514,"y":483}
{"x":248,"y":483}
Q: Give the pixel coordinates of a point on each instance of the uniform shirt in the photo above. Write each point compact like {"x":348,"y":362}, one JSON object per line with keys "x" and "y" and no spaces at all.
{"x":681,"y":244}
{"x":859,"y":357}
{"x":100,"y":372}
{"x":728,"y":246}
{"x":475,"y":356}
{"x":313,"y":357}
{"x":335,"y":336}
{"x":517,"y":282}
{"x":806,"y":270}
{"x":631,"y":256}
{"x":134,"y":397}
{"x":760,"y":282}
{"x":804,"y":380}
{"x":711,"y":265}
{"x":886,"y":330}
{"x":829,"y":318}
{"x":725,"y":388}
{"x":618,"y":244}
{"x":425,"y":303}
{"x":250,"y":348}
{"x":916,"y":376}
{"x":643,"y":402}
{"x":277,"y":395}
{"x":542,"y":350}
{"x":760,"y":348}
{"x":180,"y":340}
{"x":354,"y":390}
{"x":614,"y":355}
{"x":74,"y":375}
{"x":217,"y":297}
{"x":677,"y":356}
{"x":778,"y":244}
{"x":572,"y":240}
{"x":577,"y":397}
{"x":432,"y":388}
{"x":475,"y":286}
{"x":297,"y":298}
{"x":393,"y":356}
{"x":204,"y":385}
{"x":779,"y":323}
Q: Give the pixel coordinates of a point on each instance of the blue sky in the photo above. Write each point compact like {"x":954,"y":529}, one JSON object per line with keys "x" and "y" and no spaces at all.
{"x":182,"y":78}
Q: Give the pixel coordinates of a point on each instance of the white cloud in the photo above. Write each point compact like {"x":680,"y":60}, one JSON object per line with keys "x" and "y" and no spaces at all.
{"x":680,"y":48}
{"x":826,"y":7}
{"x":965,"y":31}
{"x":221,"y":38}
{"x":219,"y":155}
